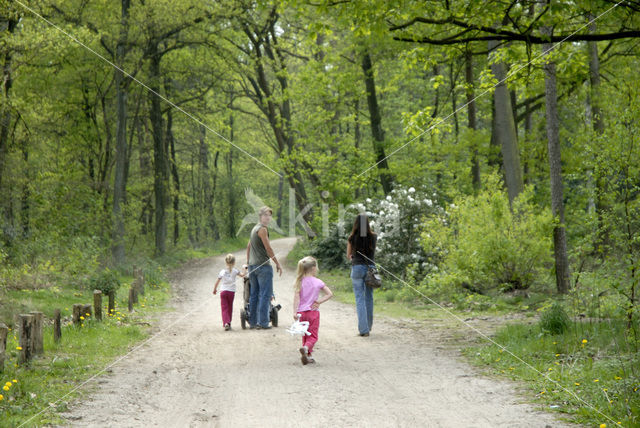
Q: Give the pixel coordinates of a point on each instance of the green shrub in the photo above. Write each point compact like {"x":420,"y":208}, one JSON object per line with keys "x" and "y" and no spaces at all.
{"x":105,"y":281}
{"x":555,"y":319}
{"x":485,"y":243}
{"x":331,"y":250}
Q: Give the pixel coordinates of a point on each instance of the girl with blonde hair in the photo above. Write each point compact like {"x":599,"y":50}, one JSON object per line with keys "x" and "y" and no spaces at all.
{"x":306,"y":303}
{"x":227,"y":290}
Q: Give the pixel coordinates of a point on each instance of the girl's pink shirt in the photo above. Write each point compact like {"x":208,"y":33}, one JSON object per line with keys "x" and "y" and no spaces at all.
{"x":310,"y":287}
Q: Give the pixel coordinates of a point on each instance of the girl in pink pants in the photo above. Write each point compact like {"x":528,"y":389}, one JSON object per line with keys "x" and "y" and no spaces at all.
{"x":306,"y":303}
{"x":227,"y":290}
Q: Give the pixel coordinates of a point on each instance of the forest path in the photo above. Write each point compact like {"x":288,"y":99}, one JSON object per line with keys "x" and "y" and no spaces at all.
{"x":195,"y":374}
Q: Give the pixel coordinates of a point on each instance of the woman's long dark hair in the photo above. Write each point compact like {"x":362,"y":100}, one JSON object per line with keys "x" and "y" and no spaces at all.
{"x":361,"y":233}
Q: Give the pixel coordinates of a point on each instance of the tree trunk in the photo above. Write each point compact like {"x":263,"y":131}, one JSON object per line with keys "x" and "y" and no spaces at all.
{"x":213,"y":222}
{"x":160,"y":164}
{"x":357,"y":135}
{"x":597,"y":119}
{"x":230,"y":182}
{"x":6,"y":83}
{"x":146,"y":215}
{"x":205,"y":178}
{"x":555,"y":172}
{"x":26,"y":191}
{"x":454,"y":100}
{"x":505,"y":130}
{"x":472,"y":122}
{"x":376,"y":124}
{"x":119,"y":183}
{"x":176,"y":178}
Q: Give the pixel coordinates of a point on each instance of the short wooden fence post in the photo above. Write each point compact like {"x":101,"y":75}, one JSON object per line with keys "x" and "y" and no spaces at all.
{"x":57,"y":328}
{"x":141,"y":282}
{"x":97,"y":304}
{"x":112,"y":302}
{"x":26,"y":325}
{"x":132,"y":293}
{"x":77,"y":313}
{"x":4,"y":331}
{"x":86,"y":311}
{"x":37,"y":342}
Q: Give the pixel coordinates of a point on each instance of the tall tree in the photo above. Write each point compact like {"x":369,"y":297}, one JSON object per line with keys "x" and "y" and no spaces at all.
{"x":377,"y":131}
{"x":472,"y":122}
{"x":119,"y":183}
{"x":268,"y":88}
{"x":505,"y":129}
{"x":555,"y":172}
{"x":8,"y":25}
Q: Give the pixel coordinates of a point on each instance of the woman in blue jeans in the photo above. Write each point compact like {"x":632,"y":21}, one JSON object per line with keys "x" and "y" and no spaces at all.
{"x":361,"y":249}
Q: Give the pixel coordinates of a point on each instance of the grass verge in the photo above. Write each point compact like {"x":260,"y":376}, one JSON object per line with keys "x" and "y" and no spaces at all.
{"x":589,"y":372}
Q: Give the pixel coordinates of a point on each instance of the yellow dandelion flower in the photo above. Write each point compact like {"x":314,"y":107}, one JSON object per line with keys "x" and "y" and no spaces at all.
{"x":15,"y":381}
{"x":1,"y":397}
{"x":605,"y":389}
{"x":617,"y":378}
{"x":19,"y":348}
{"x":596,"y":380}
{"x":6,"y":388}
{"x":585,"y":341}
{"x":557,"y":355}
{"x":81,"y":317}
{"x":118,"y":318}
{"x":497,"y":360}
{"x":550,"y":369}
{"x":577,"y":383}
{"x":541,"y":392}
{"x":603,"y":425}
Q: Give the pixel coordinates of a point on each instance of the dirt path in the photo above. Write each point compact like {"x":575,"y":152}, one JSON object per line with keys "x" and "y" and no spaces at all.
{"x":194,"y":374}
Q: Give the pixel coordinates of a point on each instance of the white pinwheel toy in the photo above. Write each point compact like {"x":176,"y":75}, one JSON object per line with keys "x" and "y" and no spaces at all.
{"x":299,"y":328}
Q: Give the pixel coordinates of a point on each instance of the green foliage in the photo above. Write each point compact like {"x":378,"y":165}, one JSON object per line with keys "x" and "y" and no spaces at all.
{"x":331,"y":250}
{"x":484,"y":243}
{"x":555,"y":320}
{"x":105,"y":281}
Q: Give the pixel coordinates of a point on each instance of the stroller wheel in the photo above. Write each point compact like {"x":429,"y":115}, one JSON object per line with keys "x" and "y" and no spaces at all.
{"x":243,"y":320}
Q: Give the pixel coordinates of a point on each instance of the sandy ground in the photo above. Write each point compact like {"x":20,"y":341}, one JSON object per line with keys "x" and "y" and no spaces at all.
{"x":195,"y":374}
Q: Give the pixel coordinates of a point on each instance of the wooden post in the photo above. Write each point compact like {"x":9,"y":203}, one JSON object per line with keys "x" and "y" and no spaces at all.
{"x":112,"y":302}
{"x":77,"y":312}
{"x":131,"y":297}
{"x":97,"y":304}
{"x":37,"y":344}
{"x":4,"y":331}
{"x":26,"y":324}
{"x":57,"y":328}
{"x":141,"y":282}
{"x":86,"y":311}
{"x":134,"y":286}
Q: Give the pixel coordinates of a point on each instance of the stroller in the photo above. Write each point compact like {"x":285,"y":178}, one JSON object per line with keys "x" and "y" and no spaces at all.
{"x":244,"y":313}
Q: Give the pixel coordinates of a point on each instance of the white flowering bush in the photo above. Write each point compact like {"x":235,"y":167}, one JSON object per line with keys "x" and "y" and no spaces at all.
{"x":398,"y":219}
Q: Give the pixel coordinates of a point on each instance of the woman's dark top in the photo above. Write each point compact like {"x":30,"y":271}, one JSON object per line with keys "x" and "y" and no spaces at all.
{"x":365,"y":245}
